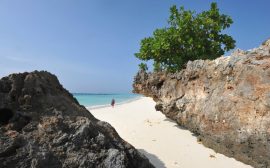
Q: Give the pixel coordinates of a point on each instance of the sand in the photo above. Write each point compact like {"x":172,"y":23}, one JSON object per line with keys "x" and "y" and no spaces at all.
{"x":161,"y":139}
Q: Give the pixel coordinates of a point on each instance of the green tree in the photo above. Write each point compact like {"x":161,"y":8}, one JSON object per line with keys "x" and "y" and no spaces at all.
{"x":143,"y":66}
{"x":189,"y":36}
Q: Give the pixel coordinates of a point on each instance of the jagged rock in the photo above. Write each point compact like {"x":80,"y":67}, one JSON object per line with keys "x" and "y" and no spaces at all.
{"x":238,"y":52}
{"x":226,"y":102}
{"x":42,"y":125}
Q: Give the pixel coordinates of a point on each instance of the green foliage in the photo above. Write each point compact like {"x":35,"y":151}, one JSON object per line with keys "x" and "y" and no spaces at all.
{"x":190,"y":36}
{"x":143,"y":66}
{"x":157,"y":67}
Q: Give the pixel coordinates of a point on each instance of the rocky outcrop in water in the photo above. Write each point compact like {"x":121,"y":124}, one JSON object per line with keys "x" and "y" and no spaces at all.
{"x":42,"y":125}
{"x":226,"y":102}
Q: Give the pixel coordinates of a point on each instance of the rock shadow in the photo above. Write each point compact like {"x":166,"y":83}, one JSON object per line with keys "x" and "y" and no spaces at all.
{"x":181,"y":127}
{"x":5,"y":116}
{"x":153,"y":159}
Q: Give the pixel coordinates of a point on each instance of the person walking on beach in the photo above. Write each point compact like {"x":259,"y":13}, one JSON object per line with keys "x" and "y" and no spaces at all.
{"x":113,"y":102}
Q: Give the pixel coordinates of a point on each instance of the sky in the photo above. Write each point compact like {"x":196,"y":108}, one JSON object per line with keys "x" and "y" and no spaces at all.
{"x":90,"y":44}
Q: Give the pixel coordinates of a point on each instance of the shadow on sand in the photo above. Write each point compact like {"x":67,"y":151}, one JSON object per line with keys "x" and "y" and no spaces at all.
{"x":180,"y":127}
{"x":153,"y":159}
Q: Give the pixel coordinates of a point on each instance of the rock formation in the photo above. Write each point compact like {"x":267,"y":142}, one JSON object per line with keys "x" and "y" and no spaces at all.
{"x":226,"y":102}
{"x":42,"y":125}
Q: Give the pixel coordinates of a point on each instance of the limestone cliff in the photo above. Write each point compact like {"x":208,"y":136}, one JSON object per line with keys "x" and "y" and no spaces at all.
{"x":42,"y":125}
{"x":226,"y":102}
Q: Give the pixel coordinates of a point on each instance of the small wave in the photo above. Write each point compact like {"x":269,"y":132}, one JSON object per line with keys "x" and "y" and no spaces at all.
{"x":96,"y":94}
{"x":108,"y":105}
{"x":128,"y":101}
{"x":98,"y":106}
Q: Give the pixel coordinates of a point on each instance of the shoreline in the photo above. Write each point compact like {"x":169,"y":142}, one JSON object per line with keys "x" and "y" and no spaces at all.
{"x":160,"y":139}
{"x":109,"y":105}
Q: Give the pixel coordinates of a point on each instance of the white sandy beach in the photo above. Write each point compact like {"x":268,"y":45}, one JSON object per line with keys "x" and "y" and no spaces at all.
{"x":159,"y":138}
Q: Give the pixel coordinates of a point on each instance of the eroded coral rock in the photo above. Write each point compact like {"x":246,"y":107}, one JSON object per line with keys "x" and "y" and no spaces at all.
{"x":225,"y":101}
{"x":42,"y":125}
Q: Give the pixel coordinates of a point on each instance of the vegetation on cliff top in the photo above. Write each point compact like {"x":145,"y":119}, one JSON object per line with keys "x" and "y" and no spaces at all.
{"x":190,"y":36}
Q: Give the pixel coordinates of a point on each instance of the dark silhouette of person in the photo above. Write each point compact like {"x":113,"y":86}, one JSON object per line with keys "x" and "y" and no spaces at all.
{"x":113,"y":102}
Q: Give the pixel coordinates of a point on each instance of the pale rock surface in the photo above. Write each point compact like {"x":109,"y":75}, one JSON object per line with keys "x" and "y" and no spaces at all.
{"x":226,"y":102}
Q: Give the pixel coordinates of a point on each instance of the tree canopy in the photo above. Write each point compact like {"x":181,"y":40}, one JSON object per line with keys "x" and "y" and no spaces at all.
{"x":189,"y":36}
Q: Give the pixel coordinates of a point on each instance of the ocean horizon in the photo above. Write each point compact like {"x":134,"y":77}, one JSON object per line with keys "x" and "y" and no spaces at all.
{"x":99,"y":100}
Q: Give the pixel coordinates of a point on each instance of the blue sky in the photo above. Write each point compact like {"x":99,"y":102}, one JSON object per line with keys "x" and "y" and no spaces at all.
{"x":89,"y":44}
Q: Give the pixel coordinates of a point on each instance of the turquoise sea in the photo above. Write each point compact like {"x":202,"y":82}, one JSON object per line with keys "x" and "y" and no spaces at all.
{"x":92,"y":100}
